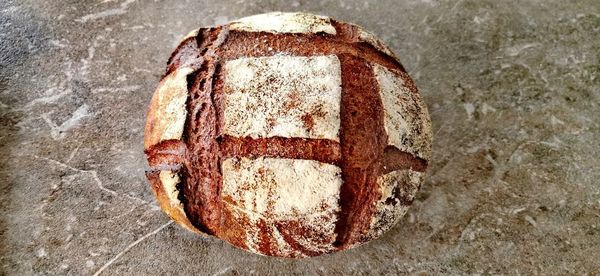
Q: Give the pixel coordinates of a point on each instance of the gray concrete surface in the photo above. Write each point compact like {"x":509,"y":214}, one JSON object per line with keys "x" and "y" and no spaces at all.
{"x":512,"y":87}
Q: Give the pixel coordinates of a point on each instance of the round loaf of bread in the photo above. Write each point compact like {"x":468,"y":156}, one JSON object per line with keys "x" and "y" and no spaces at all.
{"x":286,"y":134}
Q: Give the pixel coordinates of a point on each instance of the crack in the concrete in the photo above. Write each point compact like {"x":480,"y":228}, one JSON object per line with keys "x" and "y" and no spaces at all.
{"x":94,"y":175}
{"x":122,"y":9}
{"x":58,"y":131}
{"x":131,"y":245}
{"x":222,"y":271}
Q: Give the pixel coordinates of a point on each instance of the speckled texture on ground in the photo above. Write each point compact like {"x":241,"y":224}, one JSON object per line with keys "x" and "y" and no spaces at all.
{"x":512,"y":88}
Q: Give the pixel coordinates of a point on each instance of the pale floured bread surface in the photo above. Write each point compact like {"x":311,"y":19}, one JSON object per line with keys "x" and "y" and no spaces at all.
{"x":282,"y":22}
{"x":167,"y":113}
{"x":396,"y":189}
{"x":281,"y":186}
{"x":278,"y":190}
{"x":170,"y":180}
{"x":193,"y":33}
{"x":406,"y":119}
{"x":284,"y":96}
{"x":368,"y":37}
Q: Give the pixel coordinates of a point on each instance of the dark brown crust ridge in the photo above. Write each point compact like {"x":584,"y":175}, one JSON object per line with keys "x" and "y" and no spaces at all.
{"x":395,"y":159}
{"x":322,"y":150}
{"x":261,"y":44}
{"x":351,"y":34}
{"x":164,"y":202}
{"x":363,"y":139}
{"x":202,"y":177}
{"x":166,"y":154}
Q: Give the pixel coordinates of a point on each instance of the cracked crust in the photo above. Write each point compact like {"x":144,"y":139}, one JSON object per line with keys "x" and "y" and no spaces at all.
{"x":165,"y":187}
{"x":164,"y":128}
{"x":193,"y":33}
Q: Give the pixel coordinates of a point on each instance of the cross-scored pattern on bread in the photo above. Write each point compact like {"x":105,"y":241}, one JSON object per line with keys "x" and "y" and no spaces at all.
{"x":303,"y":135}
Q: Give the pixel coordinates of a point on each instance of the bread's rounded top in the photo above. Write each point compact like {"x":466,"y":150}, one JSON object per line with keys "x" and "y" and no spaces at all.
{"x":303,"y":23}
{"x":284,"y":22}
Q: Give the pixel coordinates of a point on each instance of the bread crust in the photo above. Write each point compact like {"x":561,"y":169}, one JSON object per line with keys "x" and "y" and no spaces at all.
{"x":309,"y":86}
{"x":165,"y":122}
{"x":167,"y":113}
{"x":282,"y":22}
{"x":406,"y":120}
{"x":202,"y":149}
{"x":164,"y":185}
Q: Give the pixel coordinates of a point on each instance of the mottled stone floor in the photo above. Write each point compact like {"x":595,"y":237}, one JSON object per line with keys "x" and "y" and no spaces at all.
{"x":513,"y":88}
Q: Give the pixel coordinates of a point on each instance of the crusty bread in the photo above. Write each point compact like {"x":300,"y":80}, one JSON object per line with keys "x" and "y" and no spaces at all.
{"x":286,"y":134}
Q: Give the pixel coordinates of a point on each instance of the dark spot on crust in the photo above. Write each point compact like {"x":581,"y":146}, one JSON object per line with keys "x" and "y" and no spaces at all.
{"x":397,"y":195}
{"x":308,"y":121}
{"x":271,"y":122}
{"x":293,"y":101}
